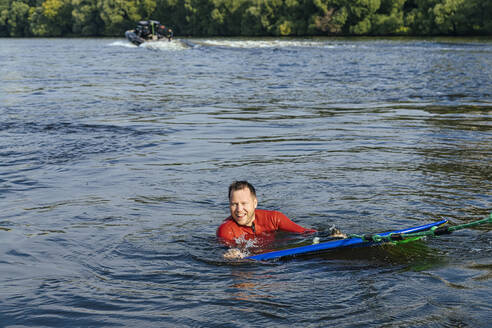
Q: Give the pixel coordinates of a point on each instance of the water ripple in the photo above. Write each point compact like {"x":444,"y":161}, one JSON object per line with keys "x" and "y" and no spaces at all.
{"x":115,"y":162}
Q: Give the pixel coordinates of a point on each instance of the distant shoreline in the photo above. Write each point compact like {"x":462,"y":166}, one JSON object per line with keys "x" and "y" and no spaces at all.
{"x":248,"y":18}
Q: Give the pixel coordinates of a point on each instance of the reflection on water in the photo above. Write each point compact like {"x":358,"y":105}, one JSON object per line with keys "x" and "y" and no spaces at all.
{"x":115,"y":162}
{"x":486,"y":268}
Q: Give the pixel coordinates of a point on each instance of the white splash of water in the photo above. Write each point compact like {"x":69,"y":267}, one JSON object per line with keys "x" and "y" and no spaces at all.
{"x":163,"y":45}
{"x":245,"y":245}
{"x":265,"y":43}
{"x":126,"y":44}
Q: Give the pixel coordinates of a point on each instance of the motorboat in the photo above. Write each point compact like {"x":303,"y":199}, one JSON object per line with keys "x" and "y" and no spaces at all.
{"x":149,"y":30}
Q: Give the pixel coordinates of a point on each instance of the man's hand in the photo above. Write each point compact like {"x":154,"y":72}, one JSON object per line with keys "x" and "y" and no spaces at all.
{"x":335,"y":232}
{"x":234,"y":253}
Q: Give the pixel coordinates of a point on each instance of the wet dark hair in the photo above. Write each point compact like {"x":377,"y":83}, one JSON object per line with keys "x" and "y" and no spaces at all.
{"x":240,"y":185}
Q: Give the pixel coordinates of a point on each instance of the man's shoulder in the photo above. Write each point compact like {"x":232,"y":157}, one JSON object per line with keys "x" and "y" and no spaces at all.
{"x":227,"y":230}
{"x":267,"y":214}
{"x":263,"y":211}
{"x":226,"y":225}
{"x":228,"y":221}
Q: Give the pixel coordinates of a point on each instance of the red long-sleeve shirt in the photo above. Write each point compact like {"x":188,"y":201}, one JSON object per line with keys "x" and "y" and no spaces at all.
{"x":265,"y":222}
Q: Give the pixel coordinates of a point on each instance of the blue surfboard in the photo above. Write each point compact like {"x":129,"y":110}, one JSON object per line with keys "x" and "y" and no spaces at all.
{"x":336,"y":244}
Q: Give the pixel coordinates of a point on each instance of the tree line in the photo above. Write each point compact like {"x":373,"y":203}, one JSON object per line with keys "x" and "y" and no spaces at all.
{"x":26,"y":18}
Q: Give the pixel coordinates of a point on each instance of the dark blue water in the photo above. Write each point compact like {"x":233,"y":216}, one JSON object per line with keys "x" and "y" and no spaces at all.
{"x":115,"y":162}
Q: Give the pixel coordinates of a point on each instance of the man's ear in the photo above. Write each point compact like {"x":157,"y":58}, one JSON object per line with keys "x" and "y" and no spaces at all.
{"x":255,"y":202}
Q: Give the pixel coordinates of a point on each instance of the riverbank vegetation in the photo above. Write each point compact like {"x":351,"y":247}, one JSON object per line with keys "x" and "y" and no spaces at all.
{"x":22,"y":18}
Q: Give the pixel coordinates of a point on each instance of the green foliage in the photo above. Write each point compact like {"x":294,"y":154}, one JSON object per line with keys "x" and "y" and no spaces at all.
{"x":4,"y":11}
{"x":360,"y":13}
{"x":389,"y":24}
{"x":327,"y":17}
{"x":480,"y":17}
{"x":248,"y":17}
{"x":17,"y":16}
{"x":452,"y":17}
{"x":52,"y":18}
{"x":171,"y":13}
{"x":362,"y":27}
{"x":251,"y":23}
{"x":118,"y":14}
{"x":86,"y":20}
{"x":389,"y":18}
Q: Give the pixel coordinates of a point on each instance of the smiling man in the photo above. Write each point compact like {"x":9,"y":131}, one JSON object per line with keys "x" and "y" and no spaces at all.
{"x":247,"y":222}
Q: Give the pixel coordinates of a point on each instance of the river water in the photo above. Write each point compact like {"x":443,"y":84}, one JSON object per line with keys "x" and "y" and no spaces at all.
{"x":115,"y":162}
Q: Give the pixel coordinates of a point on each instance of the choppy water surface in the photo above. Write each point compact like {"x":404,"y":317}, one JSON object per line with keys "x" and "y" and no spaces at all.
{"x":115,"y":161}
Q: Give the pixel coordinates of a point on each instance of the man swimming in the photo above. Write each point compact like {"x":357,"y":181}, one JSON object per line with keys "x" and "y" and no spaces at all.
{"x":247,"y":222}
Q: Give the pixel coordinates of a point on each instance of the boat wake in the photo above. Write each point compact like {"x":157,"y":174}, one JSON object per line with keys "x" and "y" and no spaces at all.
{"x":122,"y":44}
{"x":174,"y":45}
{"x":248,"y":44}
{"x":182,"y":44}
{"x":265,"y":43}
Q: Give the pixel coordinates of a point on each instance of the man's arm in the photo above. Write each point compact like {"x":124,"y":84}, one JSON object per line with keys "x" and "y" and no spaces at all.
{"x":286,"y":224}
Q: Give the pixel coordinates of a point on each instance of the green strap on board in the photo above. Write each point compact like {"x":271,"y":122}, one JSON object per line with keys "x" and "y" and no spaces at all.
{"x":434,"y":231}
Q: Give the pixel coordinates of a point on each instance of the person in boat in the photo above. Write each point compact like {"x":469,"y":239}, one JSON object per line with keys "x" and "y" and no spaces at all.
{"x":144,"y":30}
{"x":153,"y":30}
{"x":165,"y":32}
{"x":247,"y":222}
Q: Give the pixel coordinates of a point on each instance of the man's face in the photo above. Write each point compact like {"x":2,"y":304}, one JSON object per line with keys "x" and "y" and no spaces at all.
{"x":242,"y":205}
